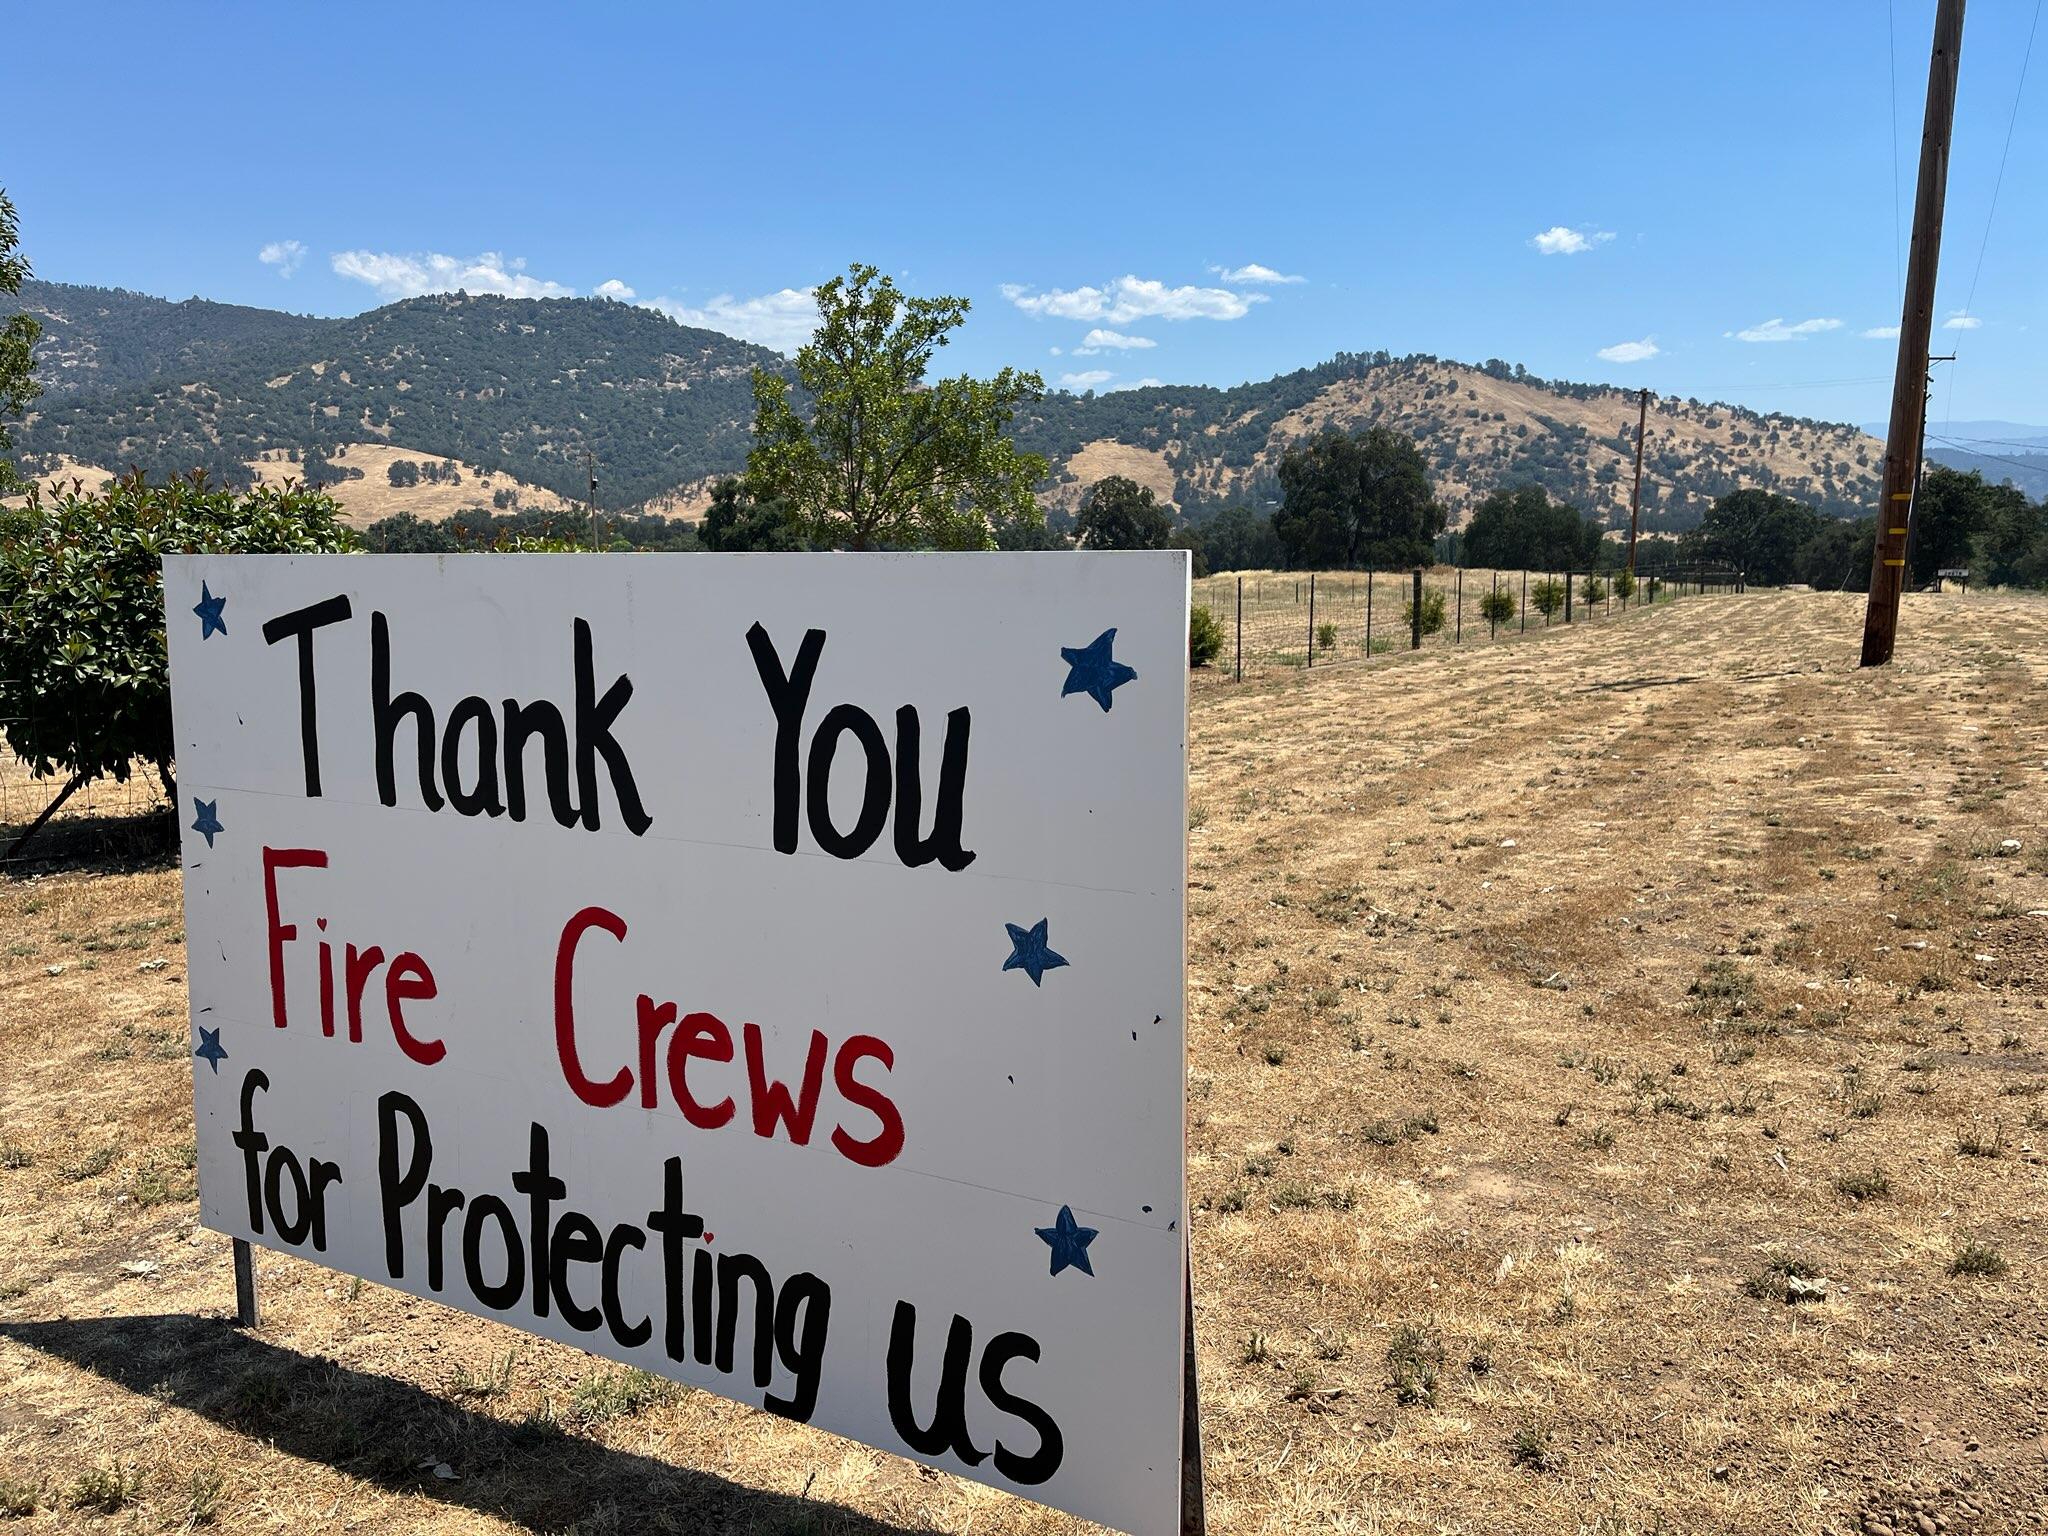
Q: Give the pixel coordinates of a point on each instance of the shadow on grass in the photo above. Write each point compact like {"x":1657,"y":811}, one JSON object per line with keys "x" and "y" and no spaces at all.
{"x":533,"y":1472}
{"x":116,"y":844}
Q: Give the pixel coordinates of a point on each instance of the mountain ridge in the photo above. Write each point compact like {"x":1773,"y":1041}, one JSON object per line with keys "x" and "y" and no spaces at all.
{"x":525,"y":388}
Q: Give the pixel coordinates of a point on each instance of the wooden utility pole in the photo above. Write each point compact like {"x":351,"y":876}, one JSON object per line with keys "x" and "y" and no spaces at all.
{"x":1916,"y":327}
{"x":1635,"y":501}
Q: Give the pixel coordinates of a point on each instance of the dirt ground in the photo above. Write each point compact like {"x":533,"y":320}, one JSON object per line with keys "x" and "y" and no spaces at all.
{"x":1618,"y":1099}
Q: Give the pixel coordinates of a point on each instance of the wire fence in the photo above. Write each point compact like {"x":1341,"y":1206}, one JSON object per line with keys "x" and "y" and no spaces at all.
{"x":1280,"y":620}
{"x":86,"y":820}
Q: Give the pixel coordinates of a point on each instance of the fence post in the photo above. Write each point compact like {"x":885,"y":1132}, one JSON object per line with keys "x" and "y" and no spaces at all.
{"x":1415,"y":613}
{"x":1458,"y":636}
{"x":1567,"y":597}
{"x":1368,"y":613}
{"x":1240,"y":630}
{"x":1490,"y":620}
{"x":1311,"y":617}
{"x":1525,"y":602}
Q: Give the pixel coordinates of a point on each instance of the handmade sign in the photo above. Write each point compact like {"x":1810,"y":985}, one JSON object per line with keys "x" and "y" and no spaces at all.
{"x":764,"y":970}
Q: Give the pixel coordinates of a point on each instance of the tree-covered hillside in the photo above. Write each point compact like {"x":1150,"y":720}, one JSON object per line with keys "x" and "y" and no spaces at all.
{"x":523,"y":385}
{"x":99,"y":340}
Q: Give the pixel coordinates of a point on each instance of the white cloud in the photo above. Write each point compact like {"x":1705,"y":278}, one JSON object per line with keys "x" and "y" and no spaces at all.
{"x":1560,"y":240}
{"x":1775,"y":329}
{"x":1090,"y":379}
{"x":612,"y":288}
{"x":1099,"y":340}
{"x":782,"y":320}
{"x":1630,"y":351}
{"x":1961,"y":321}
{"x":285,"y":255}
{"x":1134,"y":384}
{"x":1131,"y":298}
{"x":1252,"y":272}
{"x":406,"y":276}
{"x":1880,"y":333}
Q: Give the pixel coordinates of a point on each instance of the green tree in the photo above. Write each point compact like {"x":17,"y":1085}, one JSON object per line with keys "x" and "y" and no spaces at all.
{"x":738,"y":521}
{"x":1949,"y":509}
{"x":84,"y":684}
{"x":1353,"y":499}
{"x":1239,"y":539}
{"x":404,"y":533}
{"x":1755,"y":531}
{"x":886,"y":460}
{"x":1524,"y":530}
{"x":2012,"y":540}
{"x":1122,"y":514}
{"x":17,"y":340}
{"x":1433,"y":612}
{"x":1837,"y":557}
{"x":1205,"y":636}
{"x":1015,"y":534}
{"x":1497,"y":607}
{"x":1547,"y":596}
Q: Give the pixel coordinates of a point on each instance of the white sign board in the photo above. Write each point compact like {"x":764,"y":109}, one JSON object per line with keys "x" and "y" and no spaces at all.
{"x":765,"y":970}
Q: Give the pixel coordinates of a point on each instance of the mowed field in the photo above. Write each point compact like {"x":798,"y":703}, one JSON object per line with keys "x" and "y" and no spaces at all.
{"x":1559,"y":1009}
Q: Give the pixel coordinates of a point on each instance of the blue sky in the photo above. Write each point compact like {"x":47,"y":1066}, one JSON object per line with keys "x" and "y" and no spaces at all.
{"x":1695,"y":198}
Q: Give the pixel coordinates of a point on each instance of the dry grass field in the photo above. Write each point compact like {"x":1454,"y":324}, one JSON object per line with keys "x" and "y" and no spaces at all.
{"x":1618,"y":1093}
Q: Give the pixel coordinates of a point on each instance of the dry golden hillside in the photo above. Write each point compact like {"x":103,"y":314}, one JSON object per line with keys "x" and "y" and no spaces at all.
{"x":373,"y":497}
{"x":1479,"y":431}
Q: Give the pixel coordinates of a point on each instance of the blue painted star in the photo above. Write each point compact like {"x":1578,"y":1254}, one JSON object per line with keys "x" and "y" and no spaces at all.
{"x":1069,"y":1242}
{"x":213,"y":1053}
{"x":208,"y":608}
{"x":1093,"y":670}
{"x":207,"y":823}
{"x":1030,"y":953}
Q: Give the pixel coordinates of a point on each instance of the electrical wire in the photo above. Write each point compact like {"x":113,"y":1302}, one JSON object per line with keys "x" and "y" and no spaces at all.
{"x":1963,"y":447}
{"x":2012,"y":121}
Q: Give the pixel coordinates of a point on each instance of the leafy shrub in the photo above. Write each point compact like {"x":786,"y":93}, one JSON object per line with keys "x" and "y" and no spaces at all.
{"x":1976,"y":1258}
{"x":1205,"y":636}
{"x":1592,"y":590}
{"x":84,"y":678}
{"x":1497,"y":606}
{"x":1432,"y":612}
{"x":1624,"y":585}
{"x":1547,"y":596}
{"x":1326,"y":637}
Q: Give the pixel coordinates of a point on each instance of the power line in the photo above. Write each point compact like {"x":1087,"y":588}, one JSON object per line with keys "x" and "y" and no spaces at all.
{"x":1991,"y":213}
{"x":2033,"y":444}
{"x":1969,"y":304}
{"x":1995,"y":458}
